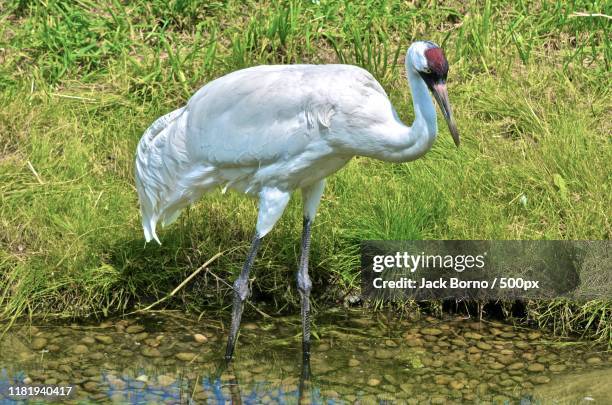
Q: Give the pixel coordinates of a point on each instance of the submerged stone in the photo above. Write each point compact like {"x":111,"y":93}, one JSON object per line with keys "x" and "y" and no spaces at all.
{"x":536,"y":367}
{"x":353,"y":362}
{"x":150,"y":352}
{"x":431,"y":331}
{"x":80,"y":349}
{"x":38,"y":343}
{"x":373,"y":382}
{"x":472,"y":335}
{"x":105,"y":339}
{"x":484,"y":346}
{"x":186,"y":356}
{"x":555,"y":368}
{"x":134,"y":329}
{"x":594,"y":360}
{"x":199,"y":338}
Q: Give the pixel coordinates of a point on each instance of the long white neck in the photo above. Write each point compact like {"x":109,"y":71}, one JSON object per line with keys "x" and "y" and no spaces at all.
{"x":410,"y":143}
{"x":425,"y":126}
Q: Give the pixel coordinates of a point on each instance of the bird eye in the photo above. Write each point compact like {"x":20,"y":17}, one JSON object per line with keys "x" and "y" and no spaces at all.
{"x":426,"y":70}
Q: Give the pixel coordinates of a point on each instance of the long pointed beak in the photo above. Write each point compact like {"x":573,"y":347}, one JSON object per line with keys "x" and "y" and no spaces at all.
{"x":441,"y":94}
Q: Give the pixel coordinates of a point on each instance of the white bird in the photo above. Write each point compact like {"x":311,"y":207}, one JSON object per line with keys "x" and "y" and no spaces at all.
{"x":269,"y":130}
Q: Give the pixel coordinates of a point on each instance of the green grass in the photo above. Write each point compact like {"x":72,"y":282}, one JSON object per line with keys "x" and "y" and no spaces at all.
{"x":81,"y":80}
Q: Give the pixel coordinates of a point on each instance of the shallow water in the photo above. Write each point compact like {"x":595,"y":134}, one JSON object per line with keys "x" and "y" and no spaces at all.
{"x":358,"y":359}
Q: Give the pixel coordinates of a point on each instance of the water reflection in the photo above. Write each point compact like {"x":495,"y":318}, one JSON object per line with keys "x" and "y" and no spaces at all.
{"x":171,"y":358}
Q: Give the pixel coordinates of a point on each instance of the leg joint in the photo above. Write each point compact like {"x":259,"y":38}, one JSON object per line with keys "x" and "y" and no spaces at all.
{"x":241,"y":288}
{"x":303,"y":282}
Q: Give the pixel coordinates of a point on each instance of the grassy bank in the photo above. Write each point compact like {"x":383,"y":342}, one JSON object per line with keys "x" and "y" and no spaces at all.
{"x":80,"y":82}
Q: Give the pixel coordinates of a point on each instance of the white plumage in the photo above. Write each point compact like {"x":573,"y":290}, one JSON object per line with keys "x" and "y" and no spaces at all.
{"x":268,"y":130}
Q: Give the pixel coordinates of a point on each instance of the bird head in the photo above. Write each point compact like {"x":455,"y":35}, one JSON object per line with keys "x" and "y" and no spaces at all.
{"x":428,"y":60}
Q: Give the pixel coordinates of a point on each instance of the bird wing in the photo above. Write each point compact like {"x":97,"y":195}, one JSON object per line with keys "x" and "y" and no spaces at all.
{"x":264,"y":114}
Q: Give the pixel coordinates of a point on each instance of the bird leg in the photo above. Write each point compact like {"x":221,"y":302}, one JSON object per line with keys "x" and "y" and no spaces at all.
{"x":304,"y":287}
{"x":241,"y":291}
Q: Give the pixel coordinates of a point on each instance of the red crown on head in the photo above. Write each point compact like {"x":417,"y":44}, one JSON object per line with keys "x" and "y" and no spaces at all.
{"x":436,"y":61}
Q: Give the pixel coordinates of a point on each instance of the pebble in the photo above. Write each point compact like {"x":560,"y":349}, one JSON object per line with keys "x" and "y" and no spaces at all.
{"x":80,"y":349}
{"x":165,"y":380}
{"x":484,"y":346}
{"x":373,"y":382}
{"x":406,"y":387}
{"x":105,"y":339}
{"x":392,"y":382}
{"x":331,"y":394}
{"x":38,"y":343}
{"x":118,"y":384}
{"x":456,"y":385}
{"x":27,"y":381}
{"x":516,"y":366}
{"x":472,"y":335}
{"x":144,"y":378}
{"x":459,"y":342}
{"x":390,"y":343}
{"x":495,"y":331}
{"x":90,"y":372}
{"x":442,"y":379}
{"x":528,"y":356}
{"x":199,"y":338}
{"x":536,"y":367}
{"x":383,"y":354}
{"x":64,"y":368}
{"x":186,"y":356}
{"x":522,"y":345}
{"x":90,"y":386}
{"x":496,"y":366}
{"x":416,"y":342}
{"x":540,"y":379}
{"x":557,"y":367}
{"x":88,"y":340}
{"x":134,"y":329}
{"x":438,"y":400}
{"x":534,"y":335}
{"x":140,"y":336}
{"x":150,"y":352}
{"x":594,"y":360}
{"x":437,"y":363}
{"x":353,"y":362}
{"x":431,"y":331}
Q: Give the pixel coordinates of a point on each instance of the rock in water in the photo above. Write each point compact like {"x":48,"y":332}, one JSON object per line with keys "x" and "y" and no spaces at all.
{"x":199,"y":338}
{"x":134,"y":329}
{"x":38,"y":343}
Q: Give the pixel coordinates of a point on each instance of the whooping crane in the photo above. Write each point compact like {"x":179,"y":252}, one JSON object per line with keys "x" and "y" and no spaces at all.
{"x":269,"y":130}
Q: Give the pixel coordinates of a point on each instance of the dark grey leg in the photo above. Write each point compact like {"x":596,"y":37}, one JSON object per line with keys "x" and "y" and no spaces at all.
{"x":304,"y":287}
{"x":241,"y":291}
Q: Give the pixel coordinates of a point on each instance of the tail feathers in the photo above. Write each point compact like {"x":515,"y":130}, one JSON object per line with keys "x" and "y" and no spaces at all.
{"x":149,"y":229}
{"x":151,"y":171}
{"x":167,"y":178}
